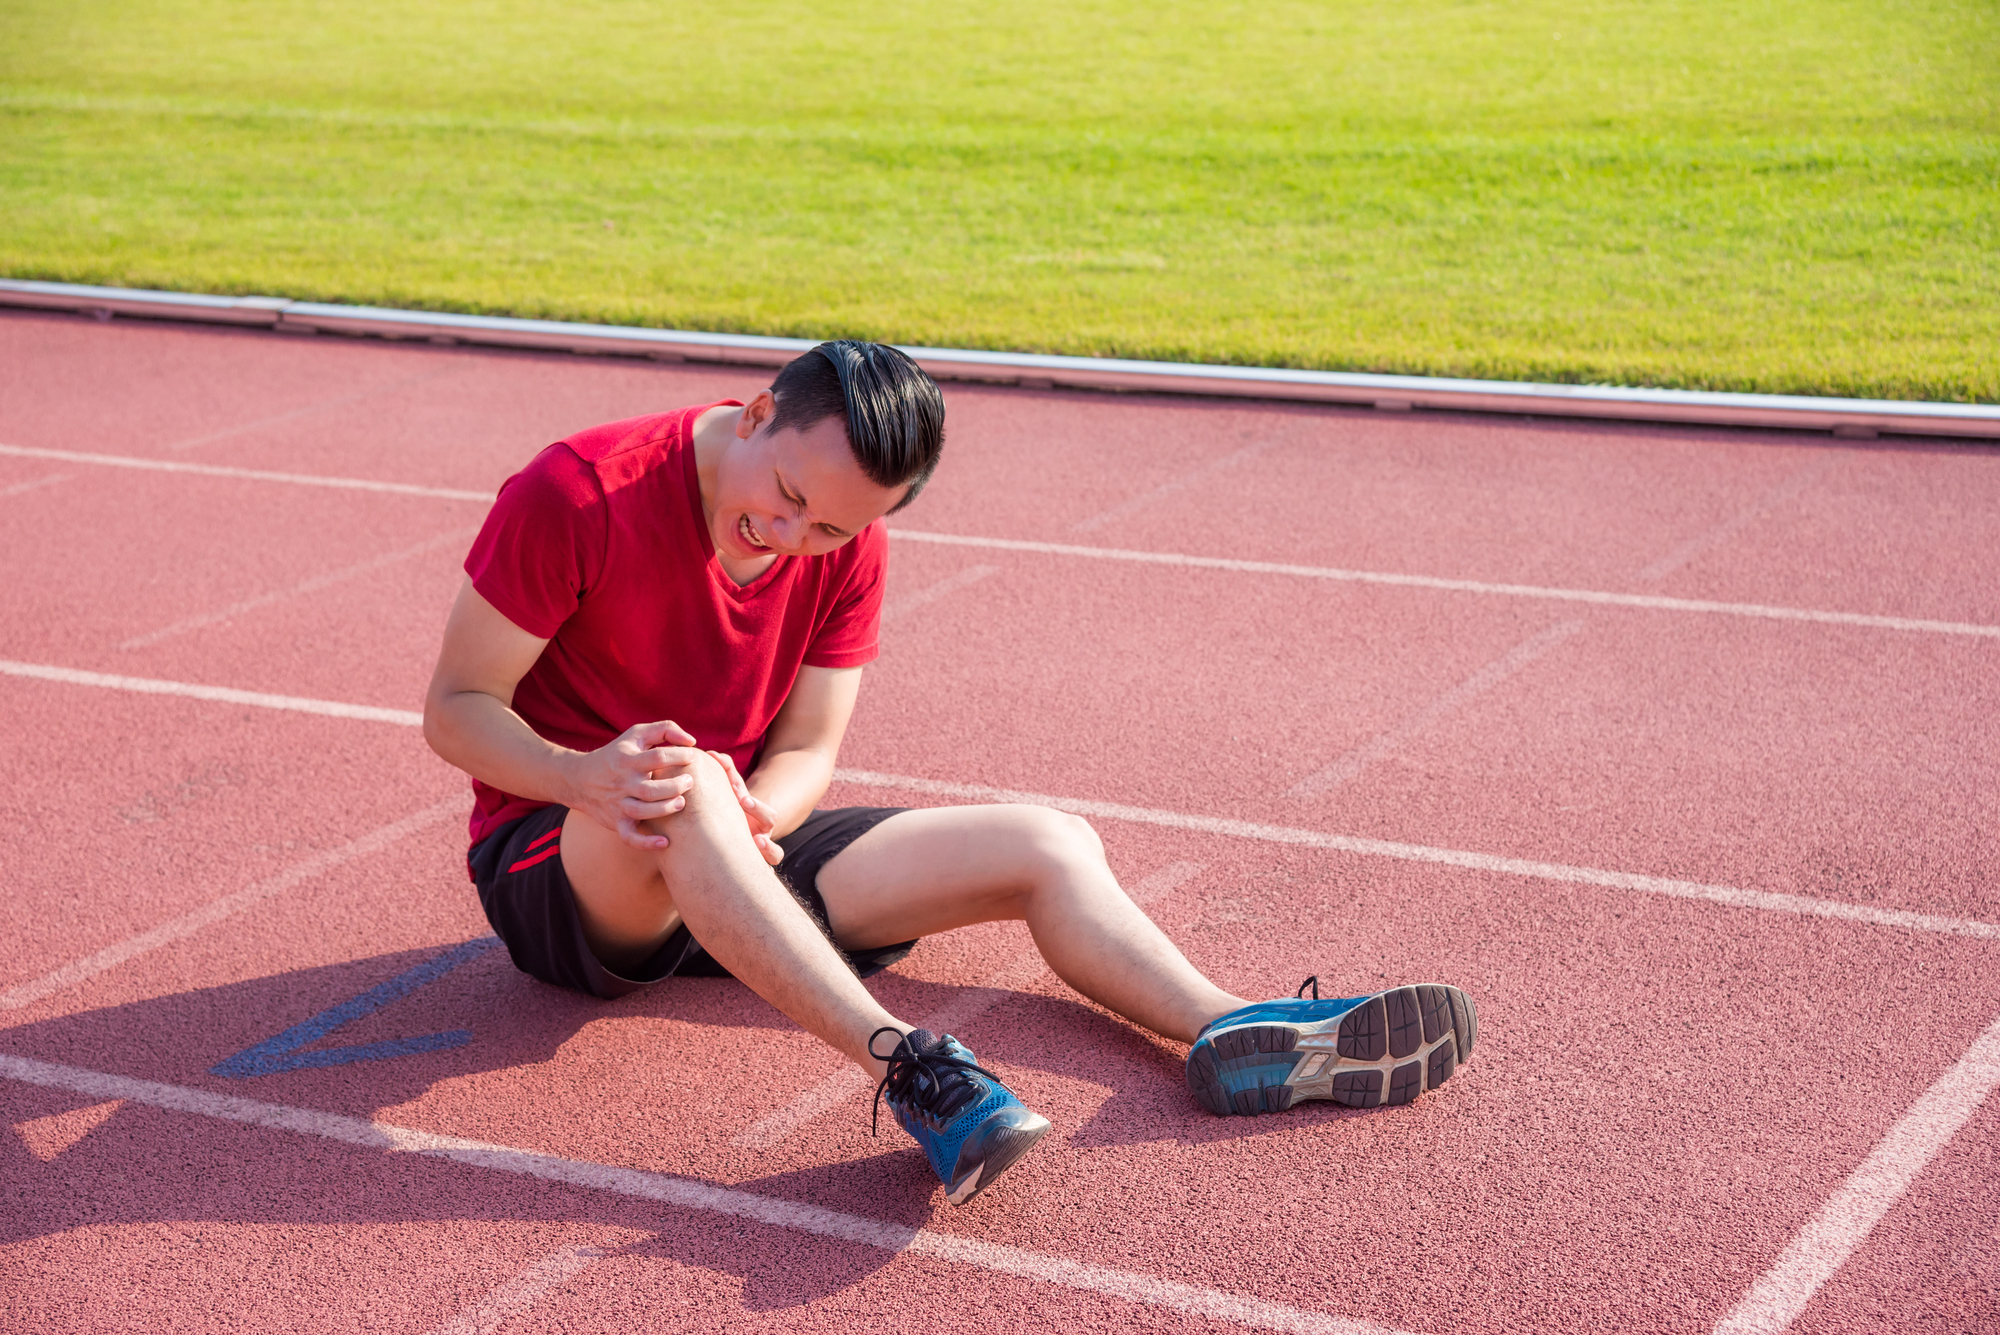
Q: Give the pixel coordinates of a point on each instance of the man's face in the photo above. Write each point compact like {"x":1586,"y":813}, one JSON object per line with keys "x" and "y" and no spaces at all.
{"x":790,"y":492}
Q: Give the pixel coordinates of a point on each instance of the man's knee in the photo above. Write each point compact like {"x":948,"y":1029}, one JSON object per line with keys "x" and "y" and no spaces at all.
{"x":711,"y":783}
{"x":710,"y":797}
{"x":1056,"y":838}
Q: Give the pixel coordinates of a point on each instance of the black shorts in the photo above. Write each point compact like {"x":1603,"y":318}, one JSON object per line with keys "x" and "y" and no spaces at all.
{"x":518,"y":869}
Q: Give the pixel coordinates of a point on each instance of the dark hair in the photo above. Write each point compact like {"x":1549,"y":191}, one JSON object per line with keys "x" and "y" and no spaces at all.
{"x":894,"y":412}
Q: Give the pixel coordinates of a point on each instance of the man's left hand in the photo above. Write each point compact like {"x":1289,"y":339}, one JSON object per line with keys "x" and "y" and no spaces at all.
{"x":763,"y":819}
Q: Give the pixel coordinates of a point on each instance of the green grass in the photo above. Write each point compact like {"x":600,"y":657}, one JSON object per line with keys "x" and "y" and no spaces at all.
{"x":1781,"y":195}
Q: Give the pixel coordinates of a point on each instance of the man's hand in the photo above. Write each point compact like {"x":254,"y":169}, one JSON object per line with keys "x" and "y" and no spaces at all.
{"x":638,"y":776}
{"x":762,"y":817}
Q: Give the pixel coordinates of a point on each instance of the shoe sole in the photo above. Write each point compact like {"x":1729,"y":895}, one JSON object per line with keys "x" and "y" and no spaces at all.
{"x":991,"y":1150}
{"x":1385,"y":1051}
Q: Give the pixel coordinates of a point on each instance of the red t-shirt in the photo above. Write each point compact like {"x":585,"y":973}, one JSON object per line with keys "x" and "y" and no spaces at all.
{"x":600,"y":546}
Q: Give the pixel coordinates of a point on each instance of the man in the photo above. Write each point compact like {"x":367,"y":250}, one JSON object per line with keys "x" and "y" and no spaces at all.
{"x":648,"y":673}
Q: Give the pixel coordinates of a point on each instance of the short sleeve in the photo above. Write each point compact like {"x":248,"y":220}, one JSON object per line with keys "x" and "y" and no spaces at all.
{"x":849,"y":635}
{"x":543,"y":542}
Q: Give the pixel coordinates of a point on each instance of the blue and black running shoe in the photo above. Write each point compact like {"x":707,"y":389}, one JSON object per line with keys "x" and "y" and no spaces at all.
{"x":970,"y":1125}
{"x":1361,"y":1052}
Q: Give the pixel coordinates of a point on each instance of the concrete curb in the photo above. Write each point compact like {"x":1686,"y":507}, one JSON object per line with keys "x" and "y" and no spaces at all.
{"x":1843,"y":417}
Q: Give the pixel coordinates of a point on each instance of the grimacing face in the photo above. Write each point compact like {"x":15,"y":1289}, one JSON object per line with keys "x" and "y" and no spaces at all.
{"x":791,"y":492}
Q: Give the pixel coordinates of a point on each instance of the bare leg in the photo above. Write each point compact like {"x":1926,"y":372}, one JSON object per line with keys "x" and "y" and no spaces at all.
{"x":712,"y":877}
{"x":923,"y":872}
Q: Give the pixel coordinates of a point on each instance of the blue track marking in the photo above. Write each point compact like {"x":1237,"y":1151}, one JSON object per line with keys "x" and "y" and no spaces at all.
{"x":282,"y":1053}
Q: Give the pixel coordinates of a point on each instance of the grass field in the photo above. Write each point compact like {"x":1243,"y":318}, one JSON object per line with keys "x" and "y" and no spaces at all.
{"x":1784,"y":195}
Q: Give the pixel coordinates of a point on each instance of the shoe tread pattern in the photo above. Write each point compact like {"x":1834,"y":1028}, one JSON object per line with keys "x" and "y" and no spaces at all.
{"x":1410,"y":1038}
{"x":1441,"y":1063}
{"x":1252,"y":1040}
{"x":1406,"y":1027}
{"x":1435,"y":1004}
{"x":1357,"y":1089}
{"x":1405,"y":1083}
{"x":1205,"y":1081}
{"x":1364,"y":1032}
{"x":1263,"y":1099}
{"x":1464,"y":1022}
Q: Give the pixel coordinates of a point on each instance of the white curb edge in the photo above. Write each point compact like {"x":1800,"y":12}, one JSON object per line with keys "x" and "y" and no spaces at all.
{"x":1846,"y":417}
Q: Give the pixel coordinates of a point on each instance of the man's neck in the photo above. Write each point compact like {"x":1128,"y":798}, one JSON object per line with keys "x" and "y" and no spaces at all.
{"x":714,"y":432}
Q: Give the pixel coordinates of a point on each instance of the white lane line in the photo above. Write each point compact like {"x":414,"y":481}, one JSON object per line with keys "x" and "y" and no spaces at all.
{"x":1356,"y":761}
{"x":1851,"y":1213}
{"x":1480,"y":682}
{"x":174,"y":929}
{"x":1017,"y":975}
{"x":249,"y":474}
{"x":1654,"y":602}
{"x":1237,"y":829}
{"x":930,"y":593}
{"x":1733,"y":896}
{"x":1170,"y":486}
{"x":1729,"y":528}
{"x":224,"y":694}
{"x":522,"y":1291}
{"x":686,"y":1193}
{"x":35,"y":484}
{"x":1360,"y":758}
{"x":312,"y":585}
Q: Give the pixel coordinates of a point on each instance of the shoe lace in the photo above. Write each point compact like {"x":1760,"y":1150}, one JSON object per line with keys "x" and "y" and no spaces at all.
{"x":931,"y":1077}
{"x":1313,"y":983}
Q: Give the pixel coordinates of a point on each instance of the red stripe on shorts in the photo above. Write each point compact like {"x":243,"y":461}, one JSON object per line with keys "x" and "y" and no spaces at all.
{"x":542,"y":856}
{"x":544,"y":839}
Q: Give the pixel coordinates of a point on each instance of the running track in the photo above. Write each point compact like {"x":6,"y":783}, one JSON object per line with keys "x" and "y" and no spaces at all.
{"x":1679,"y":748}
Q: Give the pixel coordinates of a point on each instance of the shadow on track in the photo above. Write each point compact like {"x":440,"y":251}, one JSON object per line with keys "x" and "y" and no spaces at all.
{"x":661,"y":1082}
{"x":522,"y":1080}
{"x":147,"y":1171}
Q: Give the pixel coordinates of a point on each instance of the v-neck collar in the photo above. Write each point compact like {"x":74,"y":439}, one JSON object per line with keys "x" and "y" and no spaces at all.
{"x":717,"y":575}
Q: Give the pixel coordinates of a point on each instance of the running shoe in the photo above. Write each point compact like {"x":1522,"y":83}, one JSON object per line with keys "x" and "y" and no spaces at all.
{"x":971,"y":1126}
{"x":1360,"y":1052}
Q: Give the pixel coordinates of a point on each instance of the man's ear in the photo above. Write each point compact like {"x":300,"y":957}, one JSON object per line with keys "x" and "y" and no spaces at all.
{"x":755,"y":413}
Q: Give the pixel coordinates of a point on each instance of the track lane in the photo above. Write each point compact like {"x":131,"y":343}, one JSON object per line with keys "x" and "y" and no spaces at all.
{"x":1661,"y":1156}
{"x":1506,"y":500}
{"x":1934,"y":1261}
{"x":1575,"y":504}
{"x":1491,"y":862}
{"x":1730,"y":1154}
{"x":1804,"y":762}
{"x":129,"y":811}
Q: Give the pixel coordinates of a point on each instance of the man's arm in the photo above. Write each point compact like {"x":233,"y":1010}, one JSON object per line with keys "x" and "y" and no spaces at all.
{"x":804,"y":743}
{"x":799,"y":753}
{"x":469,"y":720}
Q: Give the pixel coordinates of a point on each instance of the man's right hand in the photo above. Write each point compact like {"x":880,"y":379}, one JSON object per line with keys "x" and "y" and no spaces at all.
{"x":639,"y":775}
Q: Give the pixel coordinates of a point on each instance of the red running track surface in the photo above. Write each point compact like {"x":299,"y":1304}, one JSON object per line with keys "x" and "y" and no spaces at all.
{"x":1668,"y":1091}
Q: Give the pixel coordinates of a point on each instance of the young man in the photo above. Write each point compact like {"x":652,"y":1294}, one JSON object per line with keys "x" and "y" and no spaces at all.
{"x":648,"y":673}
